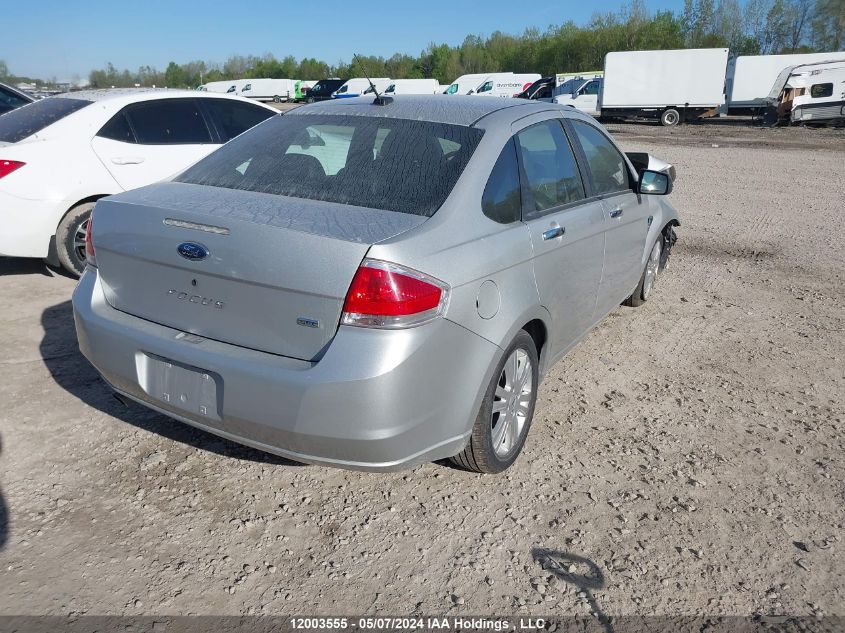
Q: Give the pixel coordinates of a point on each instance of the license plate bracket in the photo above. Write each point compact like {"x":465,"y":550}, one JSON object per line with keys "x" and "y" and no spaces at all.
{"x":179,"y":386}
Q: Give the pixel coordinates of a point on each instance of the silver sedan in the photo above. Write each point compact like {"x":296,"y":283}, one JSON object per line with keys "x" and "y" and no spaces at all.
{"x":373,"y":283}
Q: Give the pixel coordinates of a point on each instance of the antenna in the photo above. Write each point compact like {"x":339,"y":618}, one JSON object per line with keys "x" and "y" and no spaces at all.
{"x":379,"y":100}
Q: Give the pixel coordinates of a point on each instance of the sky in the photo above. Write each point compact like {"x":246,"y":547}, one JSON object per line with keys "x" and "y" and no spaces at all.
{"x":64,"y":38}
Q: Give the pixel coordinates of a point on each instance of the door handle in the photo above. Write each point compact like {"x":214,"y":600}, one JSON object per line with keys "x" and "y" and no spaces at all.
{"x":616,"y":213}
{"x":552,"y":233}
{"x":127,"y":160}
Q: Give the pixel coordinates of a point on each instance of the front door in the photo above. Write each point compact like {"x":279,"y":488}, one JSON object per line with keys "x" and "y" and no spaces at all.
{"x":626,"y":215}
{"x":567,"y":231}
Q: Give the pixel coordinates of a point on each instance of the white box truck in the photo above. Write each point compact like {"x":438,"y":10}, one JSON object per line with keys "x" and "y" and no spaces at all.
{"x":750,"y":78}
{"x":277,"y":90}
{"x":671,"y":85}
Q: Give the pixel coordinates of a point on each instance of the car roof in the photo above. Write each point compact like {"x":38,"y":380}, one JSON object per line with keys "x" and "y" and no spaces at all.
{"x":455,"y":109}
{"x":132,"y":95}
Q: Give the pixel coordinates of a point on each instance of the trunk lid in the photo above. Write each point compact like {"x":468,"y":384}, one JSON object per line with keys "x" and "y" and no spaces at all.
{"x":275,"y":276}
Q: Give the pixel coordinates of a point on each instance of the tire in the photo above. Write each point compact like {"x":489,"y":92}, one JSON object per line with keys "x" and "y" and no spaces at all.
{"x":70,"y":238}
{"x":670,"y":117}
{"x":649,"y":277}
{"x":277,"y":99}
{"x":492,"y":447}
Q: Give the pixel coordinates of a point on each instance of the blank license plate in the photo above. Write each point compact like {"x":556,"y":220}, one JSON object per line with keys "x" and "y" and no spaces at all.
{"x":180,"y":386}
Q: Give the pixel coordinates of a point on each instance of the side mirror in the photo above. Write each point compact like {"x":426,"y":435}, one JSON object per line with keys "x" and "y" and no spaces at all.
{"x":655,"y":183}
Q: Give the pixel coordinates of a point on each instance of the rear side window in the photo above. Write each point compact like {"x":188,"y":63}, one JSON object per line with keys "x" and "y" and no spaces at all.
{"x":168,"y":122}
{"x":233,"y":118}
{"x":31,"y":119}
{"x":501,"y":199}
{"x":335,"y":158}
{"x":819,"y":91}
{"x":118,"y":129}
{"x":608,"y":169}
{"x":550,"y":168}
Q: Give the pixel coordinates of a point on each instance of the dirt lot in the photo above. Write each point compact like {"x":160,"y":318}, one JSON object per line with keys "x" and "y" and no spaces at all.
{"x":687,"y":458}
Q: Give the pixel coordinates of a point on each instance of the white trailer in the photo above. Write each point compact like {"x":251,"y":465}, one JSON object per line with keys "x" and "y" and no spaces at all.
{"x":750,"y":78}
{"x":505,"y":84}
{"x":276,"y":90}
{"x":670,"y":85}
{"x":412,"y":87}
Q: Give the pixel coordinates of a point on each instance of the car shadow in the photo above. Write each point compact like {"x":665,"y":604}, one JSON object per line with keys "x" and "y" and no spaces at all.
{"x":73,"y":373}
{"x":580,"y":572}
{"x":4,"y":514}
{"x":25,"y":266}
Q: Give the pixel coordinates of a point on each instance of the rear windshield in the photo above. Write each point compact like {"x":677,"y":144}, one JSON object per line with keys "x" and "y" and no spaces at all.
{"x":380,"y":163}
{"x":31,"y":119}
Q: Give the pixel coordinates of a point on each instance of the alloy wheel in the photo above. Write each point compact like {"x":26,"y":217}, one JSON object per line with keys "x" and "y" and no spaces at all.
{"x":651,"y":268}
{"x":511,"y":403}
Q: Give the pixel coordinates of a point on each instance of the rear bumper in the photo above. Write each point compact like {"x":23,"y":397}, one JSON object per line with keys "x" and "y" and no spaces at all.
{"x":377,"y":400}
{"x":28,"y":226}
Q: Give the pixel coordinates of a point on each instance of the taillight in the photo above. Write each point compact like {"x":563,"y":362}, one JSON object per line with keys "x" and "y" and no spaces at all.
{"x":385,"y":295}
{"x":90,"y":255}
{"x":8,"y":166}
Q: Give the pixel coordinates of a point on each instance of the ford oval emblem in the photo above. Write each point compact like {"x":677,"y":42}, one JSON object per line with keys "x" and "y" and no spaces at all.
{"x":192,"y":251}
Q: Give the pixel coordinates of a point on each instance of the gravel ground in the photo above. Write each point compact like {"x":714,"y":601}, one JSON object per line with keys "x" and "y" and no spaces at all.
{"x":686,"y":458}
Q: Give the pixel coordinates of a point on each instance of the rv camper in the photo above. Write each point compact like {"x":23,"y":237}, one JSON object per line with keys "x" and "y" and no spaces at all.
{"x":750,"y":78}
{"x":809,"y":93}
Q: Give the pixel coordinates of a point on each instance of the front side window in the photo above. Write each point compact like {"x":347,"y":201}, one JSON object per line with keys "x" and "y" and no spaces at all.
{"x":233,"y":118}
{"x":168,"y":122}
{"x":550,"y":168}
{"x":501,"y":199}
{"x":393,"y":164}
{"x":232,"y":89}
{"x":391,"y":88}
{"x":819,"y":91}
{"x":452,"y":89}
{"x":592,"y":88}
{"x":342,"y":89}
{"x":34,"y":117}
{"x":487,"y":87}
{"x":608,"y":168}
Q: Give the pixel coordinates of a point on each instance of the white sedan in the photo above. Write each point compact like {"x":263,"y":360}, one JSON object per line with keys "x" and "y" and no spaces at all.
{"x":58,"y":156}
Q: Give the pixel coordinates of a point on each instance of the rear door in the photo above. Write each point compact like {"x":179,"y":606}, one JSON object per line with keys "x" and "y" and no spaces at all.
{"x":626,"y":213}
{"x":231,"y":118}
{"x":152,"y":140}
{"x":567,"y":230}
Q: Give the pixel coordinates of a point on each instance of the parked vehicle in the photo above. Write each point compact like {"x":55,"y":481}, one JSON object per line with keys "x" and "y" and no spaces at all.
{"x":541,"y":90}
{"x":412,"y":87}
{"x":230,"y":86}
{"x":276,"y":90}
{"x":12,"y":98}
{"x":505,"y":84}
{"x":671,"y":85}
{"x":465,"y":84}
{"x":58,"y":156}
{"x":323,"y":90}
{"x":809,"y":93}
{"x":301,"y":89}
{"x":357,"y":86}
{"x":373,"y":286}
{"x":581,"y":93}
{"x":381,"y":85}
{"x":750,"y":78}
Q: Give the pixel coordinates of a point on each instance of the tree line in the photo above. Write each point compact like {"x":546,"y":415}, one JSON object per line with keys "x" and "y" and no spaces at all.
{"x":748,"y":27}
